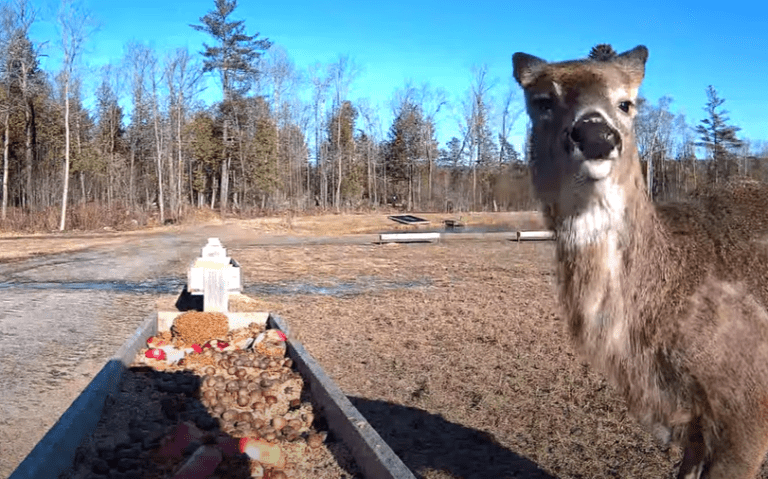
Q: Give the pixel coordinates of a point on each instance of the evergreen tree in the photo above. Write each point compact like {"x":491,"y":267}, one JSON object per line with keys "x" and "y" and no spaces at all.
{"x":205,"y":147}
{"x":341,"y":137}
{"x":403,"y":148}
{"x":454,"y":154}
{"x":235,"y":53}
{"x":716,"y":135}
{"x":508,"y":154}
{"x":234,"y":57}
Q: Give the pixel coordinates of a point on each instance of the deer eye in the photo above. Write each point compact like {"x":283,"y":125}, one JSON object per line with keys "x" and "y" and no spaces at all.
{"x":625,"y":106}
{"x":543,"y":103}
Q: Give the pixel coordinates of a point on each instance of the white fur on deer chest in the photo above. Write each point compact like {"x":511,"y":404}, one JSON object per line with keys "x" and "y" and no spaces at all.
{"x":603,"y":213}
{"x":594,"y":236}
{"x":599,"y":301}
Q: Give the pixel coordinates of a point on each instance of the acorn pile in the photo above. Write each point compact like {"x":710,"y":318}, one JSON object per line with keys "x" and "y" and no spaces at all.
{"x":250,"y":388}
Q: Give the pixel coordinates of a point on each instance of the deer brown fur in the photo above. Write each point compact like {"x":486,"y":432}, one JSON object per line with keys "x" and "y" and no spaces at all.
{"x":668,"y":301}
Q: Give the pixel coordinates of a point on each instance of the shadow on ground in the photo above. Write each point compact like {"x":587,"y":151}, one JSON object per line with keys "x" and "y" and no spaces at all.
{"x":426,"y":441}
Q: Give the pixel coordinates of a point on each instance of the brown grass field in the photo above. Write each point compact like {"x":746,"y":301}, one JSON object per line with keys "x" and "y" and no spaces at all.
{"x":454,"y":351}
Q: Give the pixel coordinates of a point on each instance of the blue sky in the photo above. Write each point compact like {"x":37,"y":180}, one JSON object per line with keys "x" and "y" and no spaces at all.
{"x":692,"y":44}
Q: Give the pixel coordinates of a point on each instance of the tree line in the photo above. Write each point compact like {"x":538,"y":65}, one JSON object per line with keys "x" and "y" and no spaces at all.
{"x":280,"y":139}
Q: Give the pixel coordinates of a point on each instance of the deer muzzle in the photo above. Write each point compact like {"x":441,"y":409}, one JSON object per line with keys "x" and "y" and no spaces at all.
{"x":594,"y":137}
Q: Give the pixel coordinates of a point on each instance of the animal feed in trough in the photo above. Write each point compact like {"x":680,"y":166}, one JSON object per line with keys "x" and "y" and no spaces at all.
{"x":216,"y":403}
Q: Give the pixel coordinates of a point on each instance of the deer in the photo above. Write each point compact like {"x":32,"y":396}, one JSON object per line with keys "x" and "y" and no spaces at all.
{"x":667,"y":300}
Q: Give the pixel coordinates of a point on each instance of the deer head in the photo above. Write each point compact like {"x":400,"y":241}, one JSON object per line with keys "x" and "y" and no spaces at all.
{"x":582,"y":142}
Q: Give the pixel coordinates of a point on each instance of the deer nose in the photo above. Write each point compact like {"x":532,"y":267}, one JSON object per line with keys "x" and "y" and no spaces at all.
{"x":594,"y":137}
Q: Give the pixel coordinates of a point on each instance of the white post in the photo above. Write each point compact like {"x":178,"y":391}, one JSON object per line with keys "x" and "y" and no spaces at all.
{"x":215,"y":295}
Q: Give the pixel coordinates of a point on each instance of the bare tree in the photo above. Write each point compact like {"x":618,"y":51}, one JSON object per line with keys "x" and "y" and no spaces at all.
{"x":75,"y":25}
{"x":510,"y":112}
{"x":183,"y":77}
{"x":21,"y":75}
{"x":136,"y":59}
{"x":6,"y":40}
{"x":654,"y":130}
{"x":476,"y":122}
{"x":372,"y":127}
{"x":342,"y":74}
{"x":432,"y":101}
{"x":282,"y":80}
{"x":155,"y":79}
{"x":320,"y":81}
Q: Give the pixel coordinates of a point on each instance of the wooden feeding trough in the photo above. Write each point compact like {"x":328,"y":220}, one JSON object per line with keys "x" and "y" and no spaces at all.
{"x":56,"y":452}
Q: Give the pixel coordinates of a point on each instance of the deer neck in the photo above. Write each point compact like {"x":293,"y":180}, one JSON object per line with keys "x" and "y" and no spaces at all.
{"x":604,"y":258}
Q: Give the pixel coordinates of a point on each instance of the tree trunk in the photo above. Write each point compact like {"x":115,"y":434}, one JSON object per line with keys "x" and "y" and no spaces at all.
{"x":159,"y":155}
{"x":224,"y":170}
{"x":337,"y":199}
{"x":213,"y":192}
{"x":5,"y":162}
{"x":31,"y":133}
{"x":224,"y":192}
{"x":63,"y":221}
{"x":79,"y":149}
{"x":180,"y":162}
{"x":82,"y":186}
{"x":131,"y":196}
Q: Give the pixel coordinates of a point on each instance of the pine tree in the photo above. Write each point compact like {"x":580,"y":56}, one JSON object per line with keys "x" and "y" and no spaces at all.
{"x":234,"y":57}
{"x":716,"y":135}
{"x":403,"y":149}
{"x":235,"y":53}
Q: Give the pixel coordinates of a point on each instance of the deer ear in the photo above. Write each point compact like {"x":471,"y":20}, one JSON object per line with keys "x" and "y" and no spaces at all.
{"x":525,"y":68}
{"x":633,"y":62}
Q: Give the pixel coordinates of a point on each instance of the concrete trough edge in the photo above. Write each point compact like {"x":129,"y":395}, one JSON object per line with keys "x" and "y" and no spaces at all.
{"x":55,"y":452}
{"x":372,"y":454}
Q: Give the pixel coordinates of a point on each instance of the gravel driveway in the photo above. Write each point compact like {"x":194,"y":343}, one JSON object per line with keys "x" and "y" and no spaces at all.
{"x":63,"y":315}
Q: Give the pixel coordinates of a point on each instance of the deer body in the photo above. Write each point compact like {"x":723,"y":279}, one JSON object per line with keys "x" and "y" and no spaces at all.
{"x":669,"y":302}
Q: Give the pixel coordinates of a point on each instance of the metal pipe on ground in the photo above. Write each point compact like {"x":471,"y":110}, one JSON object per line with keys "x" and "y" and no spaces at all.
{"x":535,"y":235}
